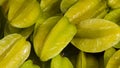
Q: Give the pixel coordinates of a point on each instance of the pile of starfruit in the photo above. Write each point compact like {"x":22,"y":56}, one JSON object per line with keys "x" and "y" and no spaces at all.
{"x":59,"y":33}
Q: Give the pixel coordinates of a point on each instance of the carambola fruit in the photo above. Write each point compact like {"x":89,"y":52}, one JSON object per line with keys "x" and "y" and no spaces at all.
{"x":55,"y":39}
{"x":96,"y":35}
{"x":23,"y":13}
{"x":61,"y":62}
{"x":16,"y":54}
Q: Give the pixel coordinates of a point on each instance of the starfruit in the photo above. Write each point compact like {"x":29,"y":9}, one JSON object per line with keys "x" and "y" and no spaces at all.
{"x":23,"y":13}
{"x":102,"y":14}
{"x":101,"y":10}
{"x":15,"y":55}
{"x":54,"y":39}
{"x":29,"y":64}
{"x":107,"y":54}
{"x":86,"y":61}
{"x":14,"y":6}
{"x":113,"y":62}
{"x":114,"y":3}
{"x":85,"y":9}
{"x":40,"y":19}
{"x":47,"y":4}
{"x":50,"y":7}
{"x":81,"y":60}
{"x":117,"y":46}
{"x":114,"y":16}
{"x":71,"y":52}
{"x":42,"y":32}
{"x":7,"y":42}
{"x":54,"y":42}
{"x":25,"y":32}
{"x":66,"y":4}
{"x":61,"y":62}
{"x":96,"y":35}
{"x":94,"y":28}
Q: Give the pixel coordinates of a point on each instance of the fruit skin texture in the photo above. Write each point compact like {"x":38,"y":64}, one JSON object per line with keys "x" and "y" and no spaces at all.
{"x":114,"y":4}
{"x":42,"y":32}
{"x":114,"y":16}
{"x":61,"y":62}
{"x":6,"y":43}
{"x":85,"y":60}
{"x":114,"y":60}
{"x":26,"y":14}
{"x":66,"y":4}
{"x":47,"y":4}
{"x":53,"y":34}
{"x":29,"y":64}
{"x":96,"y":35}
{"x":108,"y":54}
{"x":83,"y":9}
{"x":25,"y":32}
{"x":81,"y":60}
{"x":58,"y":38}
{"x":16,"y":55}
{"x":50,"y":8}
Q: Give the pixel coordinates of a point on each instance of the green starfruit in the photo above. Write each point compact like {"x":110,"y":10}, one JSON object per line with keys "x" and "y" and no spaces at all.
{"x":61,"y":62}
{"x":24,"y":14}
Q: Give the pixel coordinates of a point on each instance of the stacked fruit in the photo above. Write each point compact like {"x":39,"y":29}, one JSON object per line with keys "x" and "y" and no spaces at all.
{"x":59,"y":33}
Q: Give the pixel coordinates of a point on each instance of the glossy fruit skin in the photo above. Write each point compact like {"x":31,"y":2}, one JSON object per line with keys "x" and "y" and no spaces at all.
{"x":114,"y":16}
{"x":66,"y":4}
{"x":89,"y":40}
{"x":81,"y":60}
{"x":52,"y":25}
{"x":50,"y":8}
{"x":16,"y":55}
{"x":29,"y":64}
{"x":25,"y":15}
{"x":42,"y":32}
{"x":108,"y":54}
{"x":114,"y":4}
{"x":85,"y":60}
{"x":88,"y":10}
{"x":114,"y":60}
{"x":61,"y":62}
{"x":25,"y":32}
{"x":47,"y":4}
{"x":7,"y":43}
{"x":57,"y":37}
